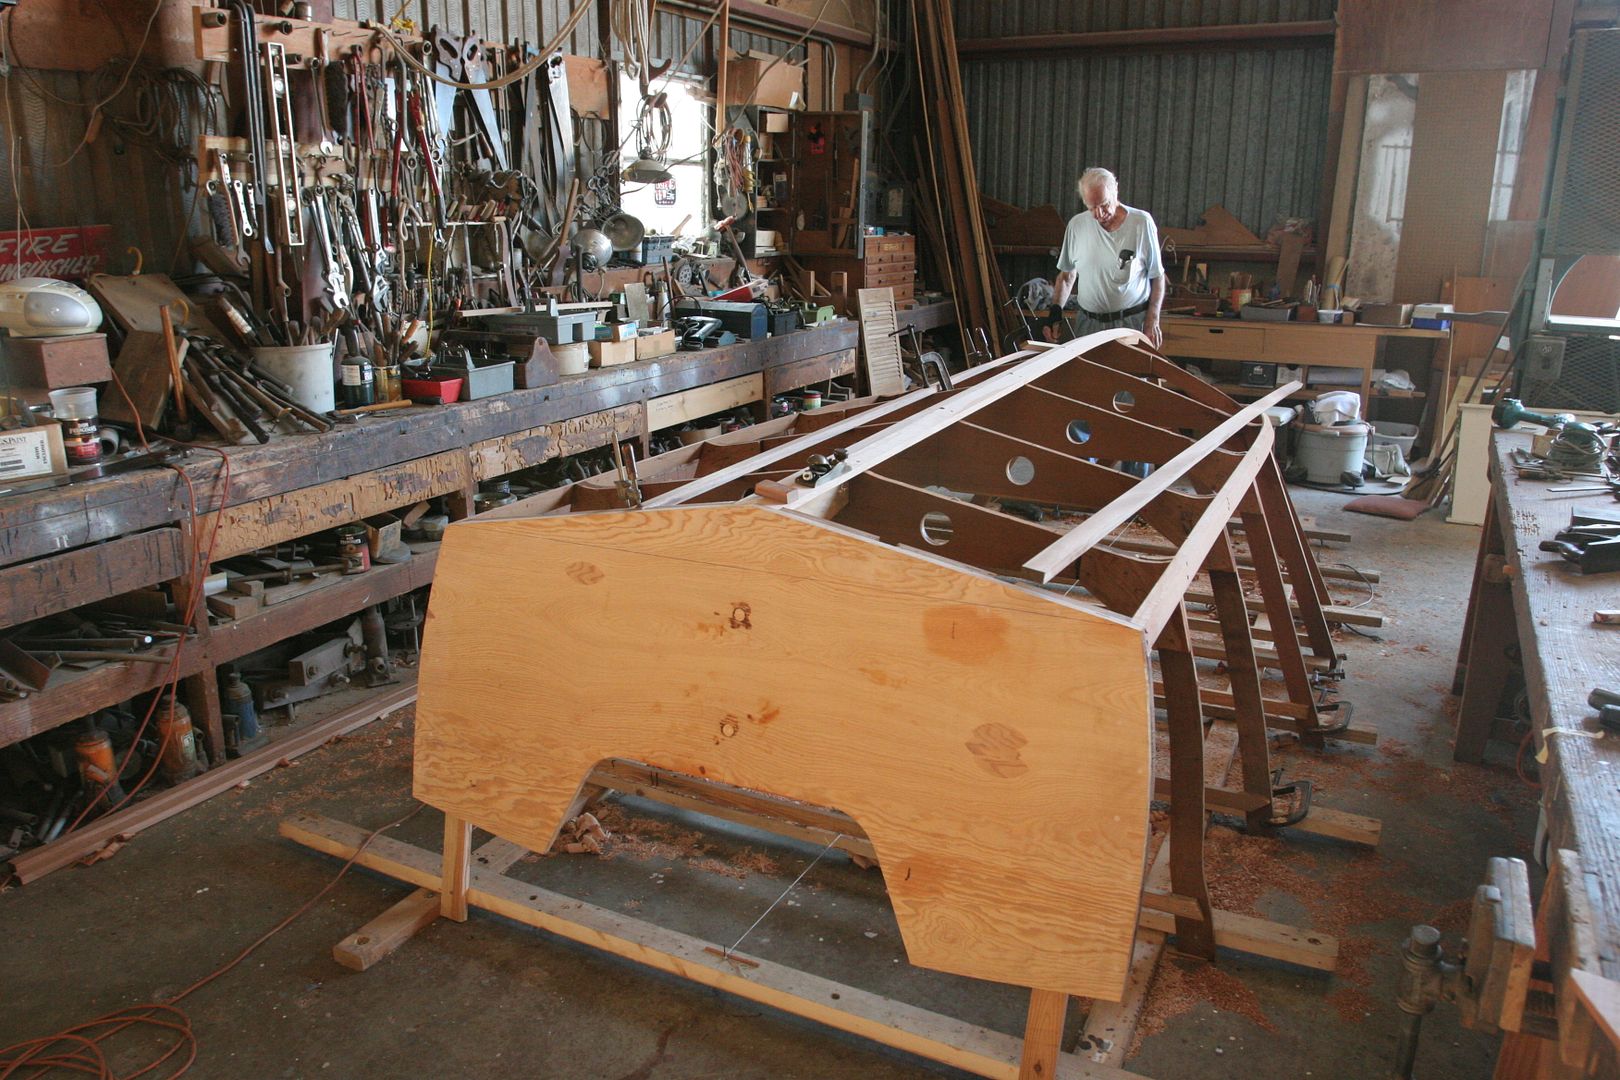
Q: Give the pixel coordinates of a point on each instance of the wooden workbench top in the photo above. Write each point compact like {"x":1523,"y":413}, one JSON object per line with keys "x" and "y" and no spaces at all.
{"x":1565,"y":656}
{"x":1311,"y":328}
{"x":38,"y":523}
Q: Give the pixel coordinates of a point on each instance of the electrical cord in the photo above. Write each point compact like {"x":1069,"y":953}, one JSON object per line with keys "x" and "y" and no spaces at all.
{"x":83,"y":1048}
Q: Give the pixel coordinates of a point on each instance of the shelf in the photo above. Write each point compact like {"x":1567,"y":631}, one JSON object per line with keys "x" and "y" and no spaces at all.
{"x":346,"y":596}
{"x":72,"y":694}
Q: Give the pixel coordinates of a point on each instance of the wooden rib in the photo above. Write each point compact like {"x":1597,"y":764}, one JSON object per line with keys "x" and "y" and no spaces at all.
{"x":876,"y":448}
{"x":1096,"y":528}
{"x":1170,"y":591}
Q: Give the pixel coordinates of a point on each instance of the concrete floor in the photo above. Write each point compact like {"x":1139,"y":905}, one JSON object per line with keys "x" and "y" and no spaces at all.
{"x":490,"y":998}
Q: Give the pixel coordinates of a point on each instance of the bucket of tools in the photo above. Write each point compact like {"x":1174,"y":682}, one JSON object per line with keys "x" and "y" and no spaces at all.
{"x":307,"y":371}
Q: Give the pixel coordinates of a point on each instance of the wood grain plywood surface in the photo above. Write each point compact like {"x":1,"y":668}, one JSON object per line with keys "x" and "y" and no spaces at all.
{"x":1448,"y":186}
{"x":993,"y":742}
{"x":1377,"y":36}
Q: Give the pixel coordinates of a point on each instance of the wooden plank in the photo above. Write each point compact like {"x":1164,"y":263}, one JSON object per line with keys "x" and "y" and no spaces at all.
{"x":1601,"y":998}
{"x":284,"y":517}
{"x":35,"y":863}
{"x":688,"y":405}
{"x":73,"y":579}
{"x":388,"y":931}
{"x":723,"y":588}
{"x":836,"y":1005}
{"x":1049,"y":563}
{"x":142,"y":369}
{"x":521,"y":449}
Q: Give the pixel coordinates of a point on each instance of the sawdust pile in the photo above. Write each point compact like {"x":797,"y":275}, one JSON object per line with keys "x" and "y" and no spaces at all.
{"x":1180,"y":986}
{"x":647,"y":839}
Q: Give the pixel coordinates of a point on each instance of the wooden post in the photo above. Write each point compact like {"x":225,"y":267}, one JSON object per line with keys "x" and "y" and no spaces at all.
{"x":457,"y":868}
{"x":1043,"y":1034}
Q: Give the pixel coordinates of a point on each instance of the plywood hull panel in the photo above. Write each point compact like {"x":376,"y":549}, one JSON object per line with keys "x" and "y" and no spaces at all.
{"x":993,"y":742}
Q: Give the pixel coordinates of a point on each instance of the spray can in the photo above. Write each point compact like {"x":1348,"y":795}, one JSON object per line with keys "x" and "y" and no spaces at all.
{"x":242,"y":732}
{"x":179,"y":754}
{"x":97,"y":767}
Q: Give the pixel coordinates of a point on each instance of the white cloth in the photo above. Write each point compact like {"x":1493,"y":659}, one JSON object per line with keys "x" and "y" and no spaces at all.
{"x":1105,"y":280}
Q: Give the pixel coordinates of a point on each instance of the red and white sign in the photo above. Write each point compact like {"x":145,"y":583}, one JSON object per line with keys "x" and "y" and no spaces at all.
{"x":73,"y":252}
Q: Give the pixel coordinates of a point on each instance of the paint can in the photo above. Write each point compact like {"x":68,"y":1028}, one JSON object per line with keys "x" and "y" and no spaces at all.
{"x":359,"y":382}
{"x":306,"y":369}
{"x":75,"y":409}
{"x":179,"y":756}
{"x":810,"y":400}
{"x":353,"y":548}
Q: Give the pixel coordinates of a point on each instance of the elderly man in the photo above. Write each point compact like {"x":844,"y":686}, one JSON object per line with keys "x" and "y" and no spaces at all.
{"x":1110,"y":261}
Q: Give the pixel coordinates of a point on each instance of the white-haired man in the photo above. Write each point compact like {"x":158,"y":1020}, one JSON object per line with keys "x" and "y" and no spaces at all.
{"x":1110,"y":261}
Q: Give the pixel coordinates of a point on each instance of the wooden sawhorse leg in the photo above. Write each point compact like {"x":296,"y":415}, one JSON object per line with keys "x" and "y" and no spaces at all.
{"x":457,"y":868}
{"x":1489,"y":631}
{"x":1043,"y":1034}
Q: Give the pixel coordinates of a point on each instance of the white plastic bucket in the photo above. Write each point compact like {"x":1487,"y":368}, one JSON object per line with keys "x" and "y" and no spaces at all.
{"x":1390,"y":431}
{"x":1327,"y":452}
{"x":307,"y":371}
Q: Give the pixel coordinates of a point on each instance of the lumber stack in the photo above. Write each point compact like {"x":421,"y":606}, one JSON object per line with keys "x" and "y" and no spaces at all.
{"x":949,"y":184}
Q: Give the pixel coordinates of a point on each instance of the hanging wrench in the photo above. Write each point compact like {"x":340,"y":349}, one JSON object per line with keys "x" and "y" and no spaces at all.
{"x":335,"y":262}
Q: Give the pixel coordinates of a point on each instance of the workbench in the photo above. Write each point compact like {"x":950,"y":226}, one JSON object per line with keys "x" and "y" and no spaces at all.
{"x":1536,"y":603}
{"x":1307,"y":345}
{"x":72,"y":546}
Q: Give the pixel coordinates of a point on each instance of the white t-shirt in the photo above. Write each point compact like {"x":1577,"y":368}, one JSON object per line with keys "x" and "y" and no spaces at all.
{"x":1105,"y":278}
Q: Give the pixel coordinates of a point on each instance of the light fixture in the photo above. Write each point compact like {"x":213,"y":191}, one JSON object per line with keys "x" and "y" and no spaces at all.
{"x":647,"y":170}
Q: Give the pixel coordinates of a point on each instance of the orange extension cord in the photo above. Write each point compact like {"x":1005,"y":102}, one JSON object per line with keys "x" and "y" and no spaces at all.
{"x":84,"y":1048}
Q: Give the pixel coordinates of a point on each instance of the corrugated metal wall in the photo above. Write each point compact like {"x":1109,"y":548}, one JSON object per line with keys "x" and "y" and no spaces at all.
{"x":1242,"y":127}
{"x":984,"y":18}
{"x":673,"y":34}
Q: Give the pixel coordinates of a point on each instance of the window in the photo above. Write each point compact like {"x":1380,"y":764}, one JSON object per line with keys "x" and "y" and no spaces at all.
{"x":682,"y":202}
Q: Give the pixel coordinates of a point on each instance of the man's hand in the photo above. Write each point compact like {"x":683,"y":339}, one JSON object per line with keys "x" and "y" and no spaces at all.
{"x":1052,"y":326}
{"x":1150,"y":330}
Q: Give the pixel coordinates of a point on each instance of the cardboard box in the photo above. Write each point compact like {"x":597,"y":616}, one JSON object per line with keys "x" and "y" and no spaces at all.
{"x":782,"y":88}
{"x":777,"y":123}
{"x":652,"y":346}
{"x":609,"y":353}
{"x":29,"y":453}
{"x":55,"y":362}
